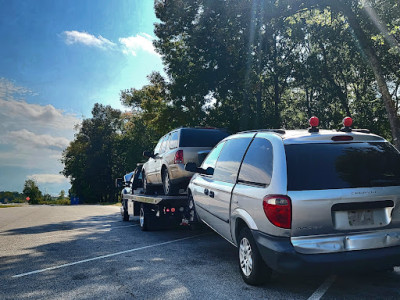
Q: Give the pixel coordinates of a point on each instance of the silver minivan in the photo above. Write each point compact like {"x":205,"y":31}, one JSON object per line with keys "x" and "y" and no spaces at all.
{"x":302,"y":200}
{"x":166,"y":164}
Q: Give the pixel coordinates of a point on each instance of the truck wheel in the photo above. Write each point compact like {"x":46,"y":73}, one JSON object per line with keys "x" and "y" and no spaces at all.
{"x":251,"y":265}
{"x":169,"y":188}
{"x":194,"y":220}
{"x":147,"y":190}
{"x":125,"y":217}
{"x":146,"y":219}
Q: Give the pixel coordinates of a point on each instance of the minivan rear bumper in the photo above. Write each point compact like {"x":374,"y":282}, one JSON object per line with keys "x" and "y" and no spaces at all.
{"x":279,"y":254}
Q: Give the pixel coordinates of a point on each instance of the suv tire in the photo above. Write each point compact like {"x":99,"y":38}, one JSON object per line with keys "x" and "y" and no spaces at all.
{"x":251,"y":266}
{"x":169,"y":188}
{"x":147,"y":189}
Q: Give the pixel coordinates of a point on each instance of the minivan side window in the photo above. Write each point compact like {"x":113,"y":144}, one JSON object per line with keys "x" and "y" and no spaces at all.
{"x":256,"y":168}
{"x":212,"y":157}
{"x":229,"y":160}
{"x":173,"y":143}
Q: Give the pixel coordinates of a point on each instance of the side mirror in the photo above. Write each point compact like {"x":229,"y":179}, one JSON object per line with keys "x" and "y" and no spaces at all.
{"x":192,"y":167}
{"x":148,"y":154}
{"x":209,"y":171}
{"x":119,"y":183}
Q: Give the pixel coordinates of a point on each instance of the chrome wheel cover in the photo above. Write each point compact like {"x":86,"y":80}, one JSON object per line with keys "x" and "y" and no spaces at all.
{"x":245,"y":257}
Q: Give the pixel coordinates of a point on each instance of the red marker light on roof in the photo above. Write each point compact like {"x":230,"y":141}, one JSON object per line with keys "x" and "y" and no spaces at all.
{"x":347,"y":122}
{"x":314,"y":121}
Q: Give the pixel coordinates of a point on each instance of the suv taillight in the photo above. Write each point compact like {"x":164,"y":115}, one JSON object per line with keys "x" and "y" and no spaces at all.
{"x":178,"y":157}
{"x":278,"y":209}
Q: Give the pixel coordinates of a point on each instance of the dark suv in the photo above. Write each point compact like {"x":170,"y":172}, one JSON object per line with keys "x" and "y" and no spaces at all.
{"x":166,"y":164}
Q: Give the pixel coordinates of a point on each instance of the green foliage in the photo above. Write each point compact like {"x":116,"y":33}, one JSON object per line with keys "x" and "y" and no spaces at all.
{"x":276,"y":63}
{"x":48,"y":200}
{"x":11,"y":197}
{"x":90,"y":159}
{"x":32,"y":191}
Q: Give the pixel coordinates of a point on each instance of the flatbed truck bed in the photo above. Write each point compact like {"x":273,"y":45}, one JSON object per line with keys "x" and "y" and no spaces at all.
{"x":158,"y":211}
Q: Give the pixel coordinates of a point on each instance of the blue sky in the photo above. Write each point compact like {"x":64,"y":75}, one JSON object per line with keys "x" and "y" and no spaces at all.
{"x":58,"y":58}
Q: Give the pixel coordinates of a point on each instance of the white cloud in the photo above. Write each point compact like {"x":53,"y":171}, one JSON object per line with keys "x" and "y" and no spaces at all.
{"x":48,"y":178}
{"x":28,"y":139}
{"x":128,"y":45}
{"x":9,"y":89}
{"x":32,"y":137}
{"x":77,"y":37}
{"x":140,"y":42}
{"x":25,"y":113}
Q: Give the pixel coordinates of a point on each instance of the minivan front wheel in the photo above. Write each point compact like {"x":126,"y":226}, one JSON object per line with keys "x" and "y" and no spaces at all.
{"x":252,"y":267}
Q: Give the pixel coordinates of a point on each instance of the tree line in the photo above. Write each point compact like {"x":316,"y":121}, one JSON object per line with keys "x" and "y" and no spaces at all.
{"x":247,"y":64}
{"x":33,"y":195}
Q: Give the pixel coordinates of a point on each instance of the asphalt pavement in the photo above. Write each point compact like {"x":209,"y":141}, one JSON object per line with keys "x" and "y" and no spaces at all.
{"x":88,"y":252}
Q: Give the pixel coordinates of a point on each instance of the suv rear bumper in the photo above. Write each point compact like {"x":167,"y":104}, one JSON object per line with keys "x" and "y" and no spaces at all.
{"x":279,"y":254}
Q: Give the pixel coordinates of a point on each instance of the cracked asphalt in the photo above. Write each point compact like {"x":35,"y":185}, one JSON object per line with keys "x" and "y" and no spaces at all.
{"x":88,"y":252}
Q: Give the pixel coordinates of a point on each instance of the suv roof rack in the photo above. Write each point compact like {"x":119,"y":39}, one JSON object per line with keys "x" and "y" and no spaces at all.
{"x":200,"y":127}
{"x":279,"y":131}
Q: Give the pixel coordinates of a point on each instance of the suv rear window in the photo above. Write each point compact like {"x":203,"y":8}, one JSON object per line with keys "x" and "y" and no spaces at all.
{"x":344,"y":165}
{"x":201,"y":137}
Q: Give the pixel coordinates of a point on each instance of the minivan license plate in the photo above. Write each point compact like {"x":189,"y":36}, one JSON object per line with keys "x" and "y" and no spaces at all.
{"x":360,"y":217}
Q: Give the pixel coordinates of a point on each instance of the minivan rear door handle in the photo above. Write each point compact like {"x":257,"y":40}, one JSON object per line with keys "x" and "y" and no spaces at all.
{"x":206,"y":191}
{"x":211,"y":194}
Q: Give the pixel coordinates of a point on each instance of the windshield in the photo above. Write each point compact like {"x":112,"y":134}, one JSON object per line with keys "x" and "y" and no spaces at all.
{"x":335,"y":166}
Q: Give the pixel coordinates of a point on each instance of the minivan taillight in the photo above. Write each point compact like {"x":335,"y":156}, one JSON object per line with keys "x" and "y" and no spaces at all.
{"x":178,"y":157}
{"x":278,"y":209}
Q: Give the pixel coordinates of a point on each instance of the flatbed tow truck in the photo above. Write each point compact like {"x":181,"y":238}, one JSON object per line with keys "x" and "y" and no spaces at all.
{"x":156,"y":211}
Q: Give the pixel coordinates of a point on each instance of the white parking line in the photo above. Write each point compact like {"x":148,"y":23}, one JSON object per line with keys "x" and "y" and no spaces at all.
{"x":87,"y":229}
{"x":323,"y":288}
{"x":105,"y":256}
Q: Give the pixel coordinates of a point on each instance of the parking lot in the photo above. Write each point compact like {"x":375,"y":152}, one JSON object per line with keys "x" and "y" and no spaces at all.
{"x":70,"y":252}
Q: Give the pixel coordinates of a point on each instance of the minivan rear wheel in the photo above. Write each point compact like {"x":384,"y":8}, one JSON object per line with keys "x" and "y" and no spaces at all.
{"x":251,"y":265}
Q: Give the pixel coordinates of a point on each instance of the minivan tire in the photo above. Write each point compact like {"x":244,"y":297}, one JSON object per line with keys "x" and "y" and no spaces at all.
{"x":251,"y":265}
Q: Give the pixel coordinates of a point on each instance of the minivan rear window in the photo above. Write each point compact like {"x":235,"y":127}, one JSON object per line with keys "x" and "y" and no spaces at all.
{"x":201,"y":137}
{"x":342,"y":165}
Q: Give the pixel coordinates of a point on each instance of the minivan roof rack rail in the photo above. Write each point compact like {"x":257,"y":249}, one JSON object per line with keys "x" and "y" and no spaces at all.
{"x":361,"y":130}
{"x":280,"y":131}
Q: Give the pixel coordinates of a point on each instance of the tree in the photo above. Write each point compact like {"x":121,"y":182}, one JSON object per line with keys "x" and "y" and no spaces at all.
{"x":260,"y":61}
{"x":62,"y":195}
{"x":32,"y":191}
{"x":89,"y":159}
